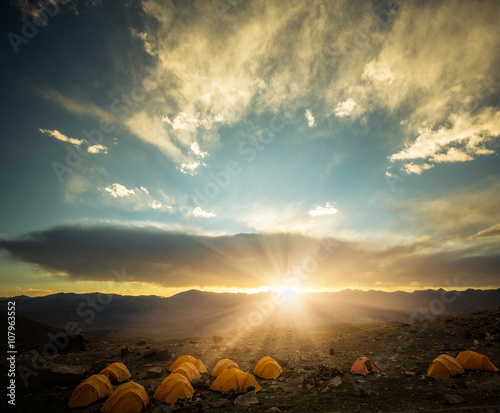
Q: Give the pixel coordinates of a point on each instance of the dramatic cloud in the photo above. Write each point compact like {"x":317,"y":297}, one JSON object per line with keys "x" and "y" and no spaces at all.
{"x":493,"y":231}
{"x":247,"y":261}
{"x":344,"y":109}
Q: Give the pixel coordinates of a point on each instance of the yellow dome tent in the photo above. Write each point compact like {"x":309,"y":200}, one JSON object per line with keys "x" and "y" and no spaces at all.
{"x":174,"y":387}
{"x":90,"y":390}
{"x":128,"y":398}
{"x":189,"y":359}
{"x":188,"y":370}
{"x":444,"y":366}
{"x":268,"y":368}
{"x":223,"y":365}
{"x":235,"y":379}
{"x":116,"y":372}
{"x":470,"y":360}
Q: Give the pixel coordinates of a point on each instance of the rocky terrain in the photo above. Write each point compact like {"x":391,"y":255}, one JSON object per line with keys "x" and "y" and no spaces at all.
{"x":315,"y":361}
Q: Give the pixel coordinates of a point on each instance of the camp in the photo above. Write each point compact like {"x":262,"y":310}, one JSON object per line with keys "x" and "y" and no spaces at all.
{"x":223,"y":365}
{"x":235,"y":379}
{"x":128,"y":398}
{"x":172,"y":388}
{"x":188,"y":370}
{"x":363,"y":365}
{"x":444,"y":366}
{"x":470,"y":360}
{"x":268,"y":368}
{"x":90,"y":390}
{"x":190,"y":359}
{"x":116,"y":372}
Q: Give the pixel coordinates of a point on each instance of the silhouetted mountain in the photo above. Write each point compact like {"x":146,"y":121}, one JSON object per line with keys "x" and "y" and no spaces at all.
{"x":197,"y":313}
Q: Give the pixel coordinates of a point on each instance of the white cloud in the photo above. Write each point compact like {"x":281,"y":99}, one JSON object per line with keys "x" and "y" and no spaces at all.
{"x":189,"y":168}
{"x":462,"y":140}
{"x":119,"y":191}
{"x":310,"y":118}
{"x":411,"y":168}
{"x":147,"y":40}
{"x":198,"y":212}
{"x":327,"y":209}
{"x":195,"y":148}
{"x":155,"y":205}
{"x":97,"y":149}
{"x":61,"y":137}
{"x":344,"y":109}
{"x":144,"y":190}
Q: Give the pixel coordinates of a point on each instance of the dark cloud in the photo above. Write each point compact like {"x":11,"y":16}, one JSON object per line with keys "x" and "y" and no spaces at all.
{"x":248,"y":260}
{"x":493,"y":231}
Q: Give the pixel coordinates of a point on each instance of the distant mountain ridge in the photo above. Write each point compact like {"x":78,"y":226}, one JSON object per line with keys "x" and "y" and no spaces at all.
{"x":198,"y":313}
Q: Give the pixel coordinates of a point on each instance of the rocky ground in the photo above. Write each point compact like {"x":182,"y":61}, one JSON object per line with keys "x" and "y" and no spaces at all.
{"x":316,"y":364}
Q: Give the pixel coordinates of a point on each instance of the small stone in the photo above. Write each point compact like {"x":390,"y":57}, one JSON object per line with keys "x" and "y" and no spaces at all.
{"x":454,"y":398}
{"x":273,"y":410}
{"x":332,"y":351}
{"x":199,"y":384}
{"x":476,"y":342}
{"x":125,"y":352}
{"x":154,"y":372}
{"x":409,"y":373}
{"x":141,"y":342}
{"x":336,"y":382}
{"x":219,"y":403}
{"x":247,"y":399}
{"x":218,"y":339}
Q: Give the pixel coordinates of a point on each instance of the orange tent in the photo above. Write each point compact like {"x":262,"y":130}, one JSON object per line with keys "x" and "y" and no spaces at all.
{"x":174,"y":387}
{"x":90,"y":390}
{"x":190,"y":359}
{"x":364,"y":366}
{"x":470,"y":360}
{"x":444,"y":366}
{"x":128,"y":398}
{"x":223,"y":365}
{"x":268,"y":368}
{"x":116,"y":372}
{"x":234,"y":379}
{"x":188,"y":370}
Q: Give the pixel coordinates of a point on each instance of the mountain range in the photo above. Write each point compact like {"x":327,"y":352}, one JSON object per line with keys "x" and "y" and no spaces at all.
{"x":198,"y":313}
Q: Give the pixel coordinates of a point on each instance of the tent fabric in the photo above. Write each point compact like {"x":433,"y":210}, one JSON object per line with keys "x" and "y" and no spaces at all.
{"x":364,"y":366}
{"x":235,"y":379}
{"x":470,"y":360}
{"x":188,"y":370}
{"x":268,"y":368}
{"x":90,"y":390}
{"x":444,"y":366}
{"x":116,"y":372}
{"x":223,"y":365}
{"x":130,"y":397}
{"x":190,"y":359}
{"x":174,"y":387}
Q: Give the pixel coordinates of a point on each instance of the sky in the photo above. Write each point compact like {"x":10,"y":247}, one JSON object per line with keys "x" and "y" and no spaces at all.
{"x":151,"y":147}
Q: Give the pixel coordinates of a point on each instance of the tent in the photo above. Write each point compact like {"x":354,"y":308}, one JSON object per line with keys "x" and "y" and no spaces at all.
{"x":190,"y":359}
{"x":116,"y":372}
{"x":188,"y":370}
{"x":235,"y":379}
{"x":128,"y":398}
{"x":223,"y":365}
{"x":174,"y":387}
{"x":364,"y":366}
{"x":470,"y":360}
{"x":444,"y":366}
{"x":268,"y":368}
{"x":90,"y":390}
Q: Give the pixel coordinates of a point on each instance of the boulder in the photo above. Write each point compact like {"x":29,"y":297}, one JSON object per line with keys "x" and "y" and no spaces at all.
{"x":154,"y":372}
{"x":61,"y":375}
{"x":247,"y":399}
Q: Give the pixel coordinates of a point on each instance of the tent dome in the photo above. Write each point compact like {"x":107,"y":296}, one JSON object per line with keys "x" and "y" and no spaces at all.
{"x":268,"y":368}
{"x":444,"y":366}
{"x":90,"y":390}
